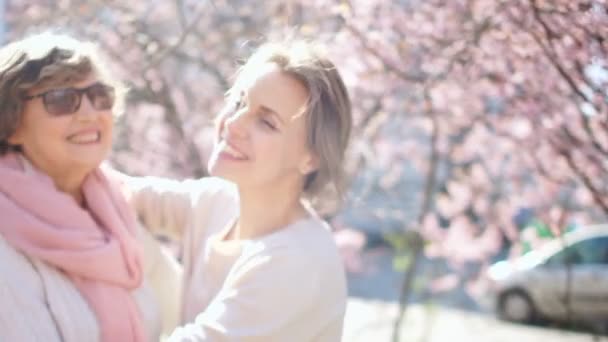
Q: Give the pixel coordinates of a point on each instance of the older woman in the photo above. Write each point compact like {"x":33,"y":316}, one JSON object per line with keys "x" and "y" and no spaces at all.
{"x":74,"y":267}
{"x":260,"y":264}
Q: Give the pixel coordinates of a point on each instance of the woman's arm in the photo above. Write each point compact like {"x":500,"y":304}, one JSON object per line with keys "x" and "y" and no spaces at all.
{"x":163,"y":205}
{"x":164,"y":275}
{"x":171,"y":207}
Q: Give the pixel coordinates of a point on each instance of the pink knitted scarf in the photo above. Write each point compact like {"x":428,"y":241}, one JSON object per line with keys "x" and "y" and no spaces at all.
{"x":97,"y":248}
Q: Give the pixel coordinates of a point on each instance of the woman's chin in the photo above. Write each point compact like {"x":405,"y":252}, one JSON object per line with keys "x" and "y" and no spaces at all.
{"x":91,"y":158}
{"x":218,"y":168}
{"x":85,"y":163}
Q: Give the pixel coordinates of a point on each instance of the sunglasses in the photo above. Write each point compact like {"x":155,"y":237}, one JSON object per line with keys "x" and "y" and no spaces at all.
{"x":64,"y":101}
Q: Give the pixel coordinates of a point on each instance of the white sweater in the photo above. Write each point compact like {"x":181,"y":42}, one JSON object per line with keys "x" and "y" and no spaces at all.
{"x":286,"y":286}
{"x":39,"y":303}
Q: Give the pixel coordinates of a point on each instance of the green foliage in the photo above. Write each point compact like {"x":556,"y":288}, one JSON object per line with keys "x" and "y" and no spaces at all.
{"x":401,"y":262}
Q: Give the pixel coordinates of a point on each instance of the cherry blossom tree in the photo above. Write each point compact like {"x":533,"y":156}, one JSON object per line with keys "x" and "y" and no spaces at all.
{"x":510,"y":100}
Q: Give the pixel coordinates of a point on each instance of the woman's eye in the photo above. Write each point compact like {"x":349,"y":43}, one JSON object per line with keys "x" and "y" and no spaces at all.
{"x":267,"y":123}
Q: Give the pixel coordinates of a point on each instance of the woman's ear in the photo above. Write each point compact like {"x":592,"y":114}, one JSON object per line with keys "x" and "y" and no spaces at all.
{"x":309,"y":164}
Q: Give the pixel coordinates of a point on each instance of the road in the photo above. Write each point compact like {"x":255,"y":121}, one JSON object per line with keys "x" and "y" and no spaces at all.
{"x":371,"y":321}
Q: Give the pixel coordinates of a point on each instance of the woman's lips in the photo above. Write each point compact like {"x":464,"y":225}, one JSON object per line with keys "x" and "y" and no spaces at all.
{"x":227,"y":150}
{"x":85,"y":137}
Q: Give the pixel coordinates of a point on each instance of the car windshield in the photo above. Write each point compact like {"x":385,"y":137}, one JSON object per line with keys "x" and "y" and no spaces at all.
{"x":590,"y":251}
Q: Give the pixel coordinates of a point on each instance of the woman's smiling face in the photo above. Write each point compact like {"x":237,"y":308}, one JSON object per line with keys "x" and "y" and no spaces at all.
{"x":263,"y":140}
{"x":72,"y":142}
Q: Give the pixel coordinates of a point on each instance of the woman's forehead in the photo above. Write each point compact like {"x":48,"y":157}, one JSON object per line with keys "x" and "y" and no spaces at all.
{"x":278,"y":90}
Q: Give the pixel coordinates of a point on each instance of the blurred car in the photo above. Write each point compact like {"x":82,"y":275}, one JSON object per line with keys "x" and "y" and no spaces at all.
{"x":540,"y":284}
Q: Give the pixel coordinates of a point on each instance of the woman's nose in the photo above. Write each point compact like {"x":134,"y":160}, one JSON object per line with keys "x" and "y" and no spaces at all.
{"x":235,"y":125}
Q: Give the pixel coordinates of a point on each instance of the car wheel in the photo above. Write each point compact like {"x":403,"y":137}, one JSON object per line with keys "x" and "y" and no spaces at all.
{"x":516,"y":306}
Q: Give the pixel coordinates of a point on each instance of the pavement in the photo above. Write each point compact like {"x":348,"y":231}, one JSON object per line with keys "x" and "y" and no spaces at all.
{"x":372,"y":321}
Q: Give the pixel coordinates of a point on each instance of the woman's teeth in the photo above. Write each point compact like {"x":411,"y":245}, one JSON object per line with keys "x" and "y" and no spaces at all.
{"x":84,"y":138}
{"x":234,"y":153}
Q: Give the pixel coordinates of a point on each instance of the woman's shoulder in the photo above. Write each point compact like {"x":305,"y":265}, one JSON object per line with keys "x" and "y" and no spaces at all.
{"x":16,"y":266}
{"x":304,"y":256}
{"x":50,"y":299}
{"x":311,"y":234}
{"x":306,"y":244}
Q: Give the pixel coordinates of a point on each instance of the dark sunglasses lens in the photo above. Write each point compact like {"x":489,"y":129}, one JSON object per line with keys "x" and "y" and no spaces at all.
{"x":61,"y":101}
{"x":101,"y":96}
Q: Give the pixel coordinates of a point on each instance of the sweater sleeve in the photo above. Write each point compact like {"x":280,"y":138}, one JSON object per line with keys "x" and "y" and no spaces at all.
{"x":266,"y":298}
{"x":166,"y":206}
{"x":164,"y":275}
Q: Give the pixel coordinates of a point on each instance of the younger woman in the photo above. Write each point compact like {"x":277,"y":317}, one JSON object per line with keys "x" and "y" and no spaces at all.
{"x":260,"y":265}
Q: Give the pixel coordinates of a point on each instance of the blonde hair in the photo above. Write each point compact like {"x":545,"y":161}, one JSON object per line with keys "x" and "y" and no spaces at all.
{"x":328,"y":109}
{"x":45,"y":59}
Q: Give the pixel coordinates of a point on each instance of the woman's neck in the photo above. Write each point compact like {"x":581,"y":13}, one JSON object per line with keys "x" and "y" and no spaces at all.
{"x":68,"y":181}
{"x":265,"y":211}
{"x":72,"y":185}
